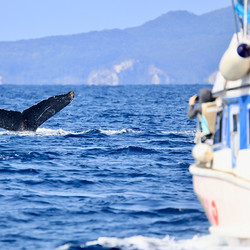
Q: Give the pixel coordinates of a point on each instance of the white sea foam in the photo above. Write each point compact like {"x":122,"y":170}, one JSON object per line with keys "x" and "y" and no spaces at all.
{"x":43,"y":132}
{"x":39,"y":132}
{"x":52,"y":132}
{"x":58,"y":132}
{"x":116,"y":132}
{"x":208,"y":242}
{"x":61,"y":132}
{"x":190,"y":132}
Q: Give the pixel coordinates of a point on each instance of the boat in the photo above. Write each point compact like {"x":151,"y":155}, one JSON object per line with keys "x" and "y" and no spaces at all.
{"x":221,"y":168}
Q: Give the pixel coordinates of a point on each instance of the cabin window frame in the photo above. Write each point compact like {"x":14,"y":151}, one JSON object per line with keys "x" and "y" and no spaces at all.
{"x":219,"y":122}
{"x":248,"y":125}
{"x":234,"y":111}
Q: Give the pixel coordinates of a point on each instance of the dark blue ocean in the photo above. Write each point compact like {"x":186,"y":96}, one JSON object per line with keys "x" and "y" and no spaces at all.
{"x":109,"y":171}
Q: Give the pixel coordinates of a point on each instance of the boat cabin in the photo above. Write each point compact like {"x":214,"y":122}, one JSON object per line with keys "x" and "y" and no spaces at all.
{"x":229,"y":121}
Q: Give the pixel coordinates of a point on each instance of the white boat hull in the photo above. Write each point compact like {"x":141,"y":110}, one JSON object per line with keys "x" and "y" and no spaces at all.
{"x":226,"y":201}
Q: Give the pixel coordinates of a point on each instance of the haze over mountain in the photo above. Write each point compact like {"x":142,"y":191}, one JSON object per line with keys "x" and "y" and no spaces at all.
{"x":178,"y":47}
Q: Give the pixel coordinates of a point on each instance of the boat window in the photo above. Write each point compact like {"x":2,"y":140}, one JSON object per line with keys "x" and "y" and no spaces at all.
{"x":218,"y":128}
{"x":235,"y":122}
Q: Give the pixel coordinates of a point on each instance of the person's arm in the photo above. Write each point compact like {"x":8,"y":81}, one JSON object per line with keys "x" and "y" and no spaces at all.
{"x":192,"y":110}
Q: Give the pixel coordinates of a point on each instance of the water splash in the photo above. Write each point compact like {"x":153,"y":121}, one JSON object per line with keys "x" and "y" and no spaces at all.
{"x":207,"y":242}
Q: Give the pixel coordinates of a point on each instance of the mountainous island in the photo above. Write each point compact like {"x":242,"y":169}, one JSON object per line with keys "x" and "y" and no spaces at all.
{"x":178,"y":47}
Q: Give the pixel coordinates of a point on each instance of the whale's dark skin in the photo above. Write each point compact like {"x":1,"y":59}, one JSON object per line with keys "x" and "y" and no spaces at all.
{"x":30,"y":119}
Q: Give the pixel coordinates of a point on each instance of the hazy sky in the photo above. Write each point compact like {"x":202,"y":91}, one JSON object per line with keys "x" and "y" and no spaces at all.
{"x":23,"y":19}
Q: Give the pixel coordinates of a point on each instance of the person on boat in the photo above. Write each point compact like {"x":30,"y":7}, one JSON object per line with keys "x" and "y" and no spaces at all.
{"x":196,"y":108}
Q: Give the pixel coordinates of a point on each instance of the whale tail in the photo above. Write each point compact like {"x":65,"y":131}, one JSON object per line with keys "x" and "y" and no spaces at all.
{"x":30,"y":119}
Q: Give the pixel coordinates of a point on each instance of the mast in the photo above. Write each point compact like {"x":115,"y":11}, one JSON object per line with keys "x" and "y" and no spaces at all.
{"x":235,"y":21}
{"x":245,"y":19}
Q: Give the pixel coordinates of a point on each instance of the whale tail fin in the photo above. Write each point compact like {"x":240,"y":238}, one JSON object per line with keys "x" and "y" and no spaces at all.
{"x":36,"y":115}
{"x":11,"y":120}
{"x":30,"y":119}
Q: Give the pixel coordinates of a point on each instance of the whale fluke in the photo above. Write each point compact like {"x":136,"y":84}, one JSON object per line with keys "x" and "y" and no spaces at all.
{"x":30,"y":119}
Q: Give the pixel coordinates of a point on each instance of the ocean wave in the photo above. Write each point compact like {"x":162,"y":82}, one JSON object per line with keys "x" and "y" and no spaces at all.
{"x":56,"y":132}
{"x":27,"y":171}
{"x":38,"y":132}
{"x":207,"y":242}
{"x":8,"y":155}
{"x":133,"y":150}
{"x":61,"y":132}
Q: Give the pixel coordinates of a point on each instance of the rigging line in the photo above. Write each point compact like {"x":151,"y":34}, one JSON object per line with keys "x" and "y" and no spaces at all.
{"x":235,"y":22}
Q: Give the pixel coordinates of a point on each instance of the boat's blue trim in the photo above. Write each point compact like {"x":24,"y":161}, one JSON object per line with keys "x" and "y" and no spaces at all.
{"x":240,"y":10}
{"x":243,"y":102}
{"x":225,"y":128}
{"x":218,"y":147}
{"x":248,"y":125}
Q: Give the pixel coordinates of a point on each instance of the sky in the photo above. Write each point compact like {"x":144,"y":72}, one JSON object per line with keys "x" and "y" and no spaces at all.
{"x":26,"y":19}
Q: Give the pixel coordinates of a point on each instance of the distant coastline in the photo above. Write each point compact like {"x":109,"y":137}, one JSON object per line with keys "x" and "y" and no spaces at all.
{"x":178,"y":47}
